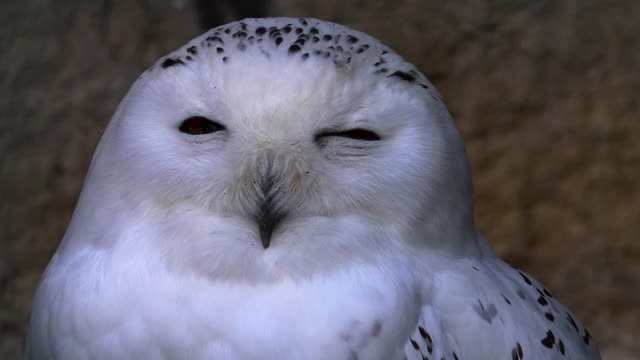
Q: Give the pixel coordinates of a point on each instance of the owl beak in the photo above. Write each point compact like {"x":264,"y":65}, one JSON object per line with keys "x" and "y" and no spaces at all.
{"x":267,"y":217}
{"x":267,"y":221}
{"x":266,"y":224}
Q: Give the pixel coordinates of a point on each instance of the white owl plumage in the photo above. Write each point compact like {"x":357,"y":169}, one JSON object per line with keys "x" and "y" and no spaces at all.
{"x":286,"y":189}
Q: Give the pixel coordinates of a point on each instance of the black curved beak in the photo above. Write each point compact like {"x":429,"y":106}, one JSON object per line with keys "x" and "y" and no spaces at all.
{"x":266,"y":225}
{"x":267,"y":217}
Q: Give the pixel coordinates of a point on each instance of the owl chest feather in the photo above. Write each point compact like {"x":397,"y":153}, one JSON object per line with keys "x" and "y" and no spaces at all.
{"x":350,"y":314}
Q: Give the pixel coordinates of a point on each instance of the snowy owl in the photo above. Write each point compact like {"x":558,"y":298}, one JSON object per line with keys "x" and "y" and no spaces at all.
{"x":287,"y":189}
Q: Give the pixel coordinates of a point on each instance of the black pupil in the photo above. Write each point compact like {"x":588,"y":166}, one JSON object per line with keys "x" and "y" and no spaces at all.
{"x":199,"y":125}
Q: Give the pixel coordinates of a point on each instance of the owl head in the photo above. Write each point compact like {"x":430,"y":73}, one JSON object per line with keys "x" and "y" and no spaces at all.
{"x":280,"y":139}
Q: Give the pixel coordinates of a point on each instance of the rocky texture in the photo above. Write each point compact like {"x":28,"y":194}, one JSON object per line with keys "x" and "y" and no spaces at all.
{"x":544,"y":93}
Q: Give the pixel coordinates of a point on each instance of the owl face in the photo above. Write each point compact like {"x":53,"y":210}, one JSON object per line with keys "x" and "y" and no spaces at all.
{"x":274,"y":140}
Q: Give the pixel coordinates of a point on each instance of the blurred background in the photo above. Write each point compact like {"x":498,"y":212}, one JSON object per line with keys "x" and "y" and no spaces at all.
{"x":544,"y":92}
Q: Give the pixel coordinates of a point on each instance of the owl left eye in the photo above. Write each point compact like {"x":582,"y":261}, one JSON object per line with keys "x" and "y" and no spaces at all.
{"x":200,"y":125}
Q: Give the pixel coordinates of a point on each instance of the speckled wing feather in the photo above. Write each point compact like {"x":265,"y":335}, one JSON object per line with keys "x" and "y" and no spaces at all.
{"x":489,"y":310}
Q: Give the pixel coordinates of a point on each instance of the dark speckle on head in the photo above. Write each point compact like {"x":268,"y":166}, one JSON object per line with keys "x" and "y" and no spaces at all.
{"x":327,"y":37}
{"x":215,"y":39}
{"x":261,"y":30}
{"x":542,"y":301}
{"x":313,"y":31}
{"x":274,"y":32}
{"x":278,"y":41}
{"x":240,"y":34}
{"x":219,"y":50}
{"x":352,"y":39}
{"x":404,"y":76}
{"x":294,"y":49}
{"x":225,"y":59}
{"x":192,"y":50}
{"x":525,"y":278}
{"x":169,"y":62}
{"x":380,"y":61}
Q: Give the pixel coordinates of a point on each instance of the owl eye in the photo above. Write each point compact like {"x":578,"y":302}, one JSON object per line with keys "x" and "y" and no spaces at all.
{"x":356,"y":134}
{"x":200,"y":125}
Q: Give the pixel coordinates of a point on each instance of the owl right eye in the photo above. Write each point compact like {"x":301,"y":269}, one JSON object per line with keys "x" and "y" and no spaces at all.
{"x":355,"y":134}
{"x":200,"y":125}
